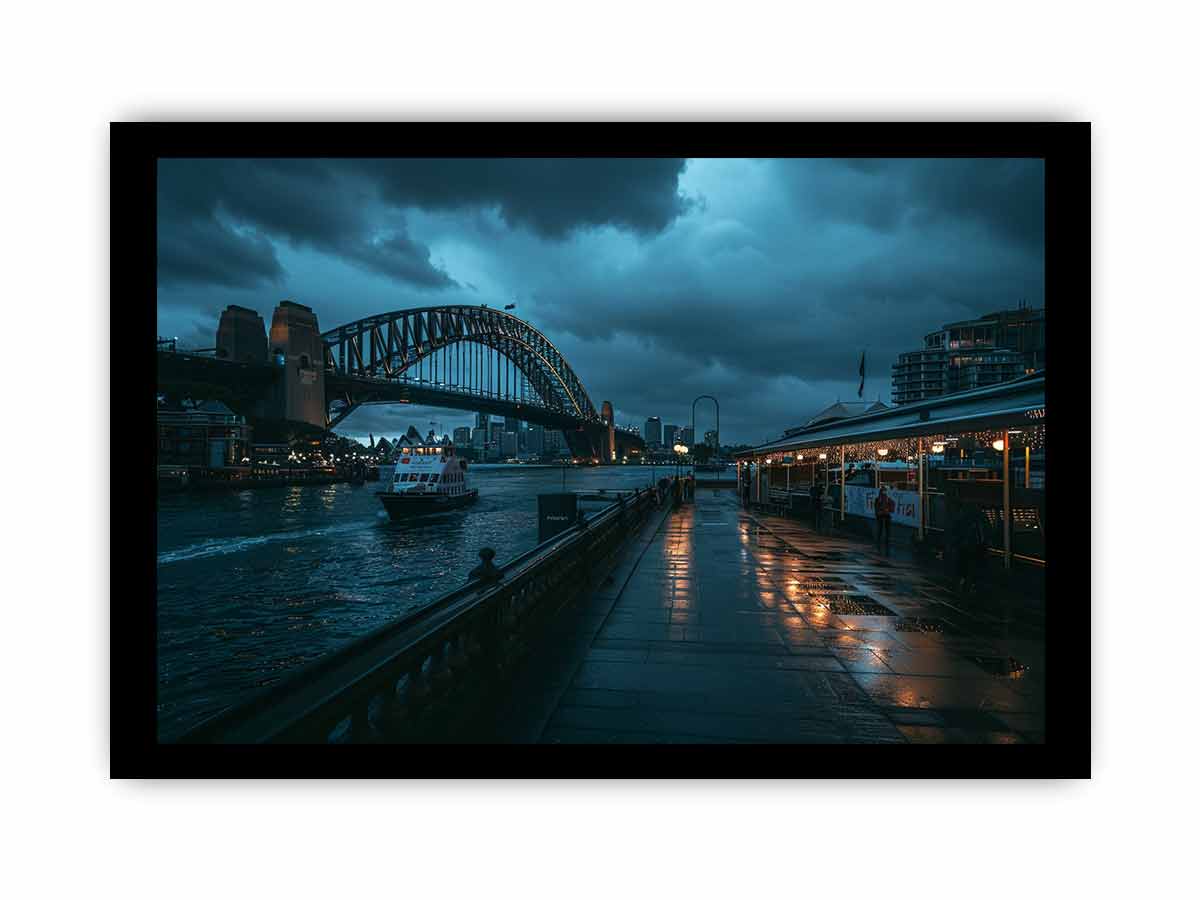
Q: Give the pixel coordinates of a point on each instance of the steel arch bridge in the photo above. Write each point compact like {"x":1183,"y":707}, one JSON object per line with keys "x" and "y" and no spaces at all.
{"x":478,"y":353}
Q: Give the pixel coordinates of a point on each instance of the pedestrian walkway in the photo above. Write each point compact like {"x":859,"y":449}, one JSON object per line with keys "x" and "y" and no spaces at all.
{"x":736,"y":627}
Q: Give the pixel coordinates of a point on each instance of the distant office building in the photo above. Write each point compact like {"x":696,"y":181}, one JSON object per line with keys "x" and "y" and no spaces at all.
{"x":535,"y":440}
{"x":553,"y":440}
{"x":508,"y":444}
{"x":481,"y":420}
{"x":710,"y":438}
{"x":462,"y":437}
{"x":512,"y":425}
{"x":962,"y":355}
{"x":670,"y":435}
{"x":495,"y":429}
{"x":687,"y":436}
{"x":652,"y":431}
{"x":478,"y":437}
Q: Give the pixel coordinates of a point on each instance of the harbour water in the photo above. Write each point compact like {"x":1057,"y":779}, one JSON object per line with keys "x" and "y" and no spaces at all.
{"x":254,"y":584}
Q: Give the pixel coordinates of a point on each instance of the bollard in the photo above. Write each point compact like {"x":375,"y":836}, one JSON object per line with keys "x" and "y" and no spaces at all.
{"x":486,"y":570}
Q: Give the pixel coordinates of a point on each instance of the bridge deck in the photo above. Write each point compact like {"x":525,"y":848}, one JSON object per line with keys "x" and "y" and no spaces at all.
{"x":723,"y":626}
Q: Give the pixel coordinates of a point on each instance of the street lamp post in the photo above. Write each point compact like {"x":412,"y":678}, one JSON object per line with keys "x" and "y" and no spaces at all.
{"x":680,"y":450}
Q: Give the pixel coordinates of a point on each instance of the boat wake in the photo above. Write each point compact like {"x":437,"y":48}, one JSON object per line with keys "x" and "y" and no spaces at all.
{"x":226,"y":546}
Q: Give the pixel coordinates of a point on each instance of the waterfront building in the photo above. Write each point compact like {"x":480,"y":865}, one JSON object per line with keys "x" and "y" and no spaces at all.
{"x":512,"y":425}
{"x":462,"y":437}
{"x":652,"y":432}
{"x":670,"y":436}
{"x":478,"y":437}
{"x":553,"y":440}
{"x":481,"y":420}
{"x":842,"y":409}
{"x":210,"y":435}
{"x":687,"y":435}
{"x":997,"y":347}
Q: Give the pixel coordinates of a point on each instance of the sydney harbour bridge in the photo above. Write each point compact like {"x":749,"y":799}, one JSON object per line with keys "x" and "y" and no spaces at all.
{"x":472,"y":358}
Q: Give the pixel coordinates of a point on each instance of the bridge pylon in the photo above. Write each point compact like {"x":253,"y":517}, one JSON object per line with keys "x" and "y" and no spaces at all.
{"x":295,"y":345}
{"x":608,"y":444}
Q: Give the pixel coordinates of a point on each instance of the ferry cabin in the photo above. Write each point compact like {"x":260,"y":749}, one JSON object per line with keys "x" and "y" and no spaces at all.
{"x":430,"y":470}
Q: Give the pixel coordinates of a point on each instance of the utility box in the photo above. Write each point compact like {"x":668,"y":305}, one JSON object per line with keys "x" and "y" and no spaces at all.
{"x":556,"y":513}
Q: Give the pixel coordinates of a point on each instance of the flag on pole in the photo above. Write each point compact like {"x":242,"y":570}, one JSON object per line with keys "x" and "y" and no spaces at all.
{"x":862,"y":373}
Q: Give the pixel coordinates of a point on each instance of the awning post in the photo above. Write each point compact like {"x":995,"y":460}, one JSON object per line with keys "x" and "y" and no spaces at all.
{"x":843,"y":449}
{"x":921,"y":488}
{"x":1007,"y":509}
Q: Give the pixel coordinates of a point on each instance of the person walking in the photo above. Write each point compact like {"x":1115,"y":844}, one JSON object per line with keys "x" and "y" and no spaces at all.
{"x":883,"y":520}
{"x":816,"y":495}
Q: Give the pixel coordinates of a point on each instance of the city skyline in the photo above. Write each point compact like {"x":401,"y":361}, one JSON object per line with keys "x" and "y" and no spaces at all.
{"x":677,"y":268}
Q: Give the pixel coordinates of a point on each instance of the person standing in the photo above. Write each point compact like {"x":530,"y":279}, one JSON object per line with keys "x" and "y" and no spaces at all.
{"x":883,"y":520}
{"x":816,"y":495}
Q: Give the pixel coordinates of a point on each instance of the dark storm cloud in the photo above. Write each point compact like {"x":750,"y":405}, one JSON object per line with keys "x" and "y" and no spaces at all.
{"x":206,"y":251}
{"x":553,"y":197}
{"x":222,"y":212}
{"x":217,"y":218}
{"x":763,"y":288}
{"x":1005,"y":195}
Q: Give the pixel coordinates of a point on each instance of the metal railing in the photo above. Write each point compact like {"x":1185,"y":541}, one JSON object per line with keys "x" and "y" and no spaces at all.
{"x":402,"y":681}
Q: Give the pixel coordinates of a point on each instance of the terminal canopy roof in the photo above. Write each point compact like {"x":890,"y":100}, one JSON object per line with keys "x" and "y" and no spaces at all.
{"x":1010,"y":404}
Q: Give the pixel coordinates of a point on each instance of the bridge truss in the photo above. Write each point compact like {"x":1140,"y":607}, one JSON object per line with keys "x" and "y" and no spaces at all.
{"x":469,"y":350}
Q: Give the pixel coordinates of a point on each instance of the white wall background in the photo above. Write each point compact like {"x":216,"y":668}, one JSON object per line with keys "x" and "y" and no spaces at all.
{"x":69,"y":69}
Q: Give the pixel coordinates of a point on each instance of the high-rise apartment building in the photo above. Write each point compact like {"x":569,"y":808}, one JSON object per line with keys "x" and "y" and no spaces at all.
{"x":996,"y":347}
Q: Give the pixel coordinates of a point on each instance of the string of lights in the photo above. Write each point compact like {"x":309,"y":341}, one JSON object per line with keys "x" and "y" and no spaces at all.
{"x":907,"y":449}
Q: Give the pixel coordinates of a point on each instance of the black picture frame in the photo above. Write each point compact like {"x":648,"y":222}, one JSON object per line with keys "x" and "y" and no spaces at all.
{"x":135,"y":148}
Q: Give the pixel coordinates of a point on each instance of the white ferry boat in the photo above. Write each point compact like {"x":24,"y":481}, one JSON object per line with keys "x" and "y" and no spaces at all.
{"x":426,"y":480}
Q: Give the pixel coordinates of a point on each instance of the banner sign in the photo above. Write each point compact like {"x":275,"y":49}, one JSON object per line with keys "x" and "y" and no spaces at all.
{"x":860,"y":501}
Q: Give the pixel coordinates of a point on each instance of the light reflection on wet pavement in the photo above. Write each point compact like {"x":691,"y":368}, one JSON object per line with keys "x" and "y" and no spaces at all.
{"x":742,"y":627}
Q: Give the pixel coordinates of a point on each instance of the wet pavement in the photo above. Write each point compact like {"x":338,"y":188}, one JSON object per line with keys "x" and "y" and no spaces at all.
{"x":724,"y":625}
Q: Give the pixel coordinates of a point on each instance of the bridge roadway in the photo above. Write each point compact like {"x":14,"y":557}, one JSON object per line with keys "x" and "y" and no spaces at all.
{"x":727,"y":626}
{"x":242,"y":384}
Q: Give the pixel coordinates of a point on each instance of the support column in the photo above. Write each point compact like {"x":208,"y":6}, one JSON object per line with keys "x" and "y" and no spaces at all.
{"x":1027,"y":466}
{"x":921,"y":488}
{"x":843,"y":449}
{"x":1007,"y":508}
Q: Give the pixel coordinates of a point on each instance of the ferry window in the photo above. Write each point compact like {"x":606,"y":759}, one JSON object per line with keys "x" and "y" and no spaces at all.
{"x":424,"y":476}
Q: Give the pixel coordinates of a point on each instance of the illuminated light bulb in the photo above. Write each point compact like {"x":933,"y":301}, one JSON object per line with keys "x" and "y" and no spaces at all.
{"x":882,"y":451}
{"x":998,"y":445}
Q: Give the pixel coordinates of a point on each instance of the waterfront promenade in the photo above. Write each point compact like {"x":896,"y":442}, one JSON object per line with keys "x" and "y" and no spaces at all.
{"x":723,"y":625}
